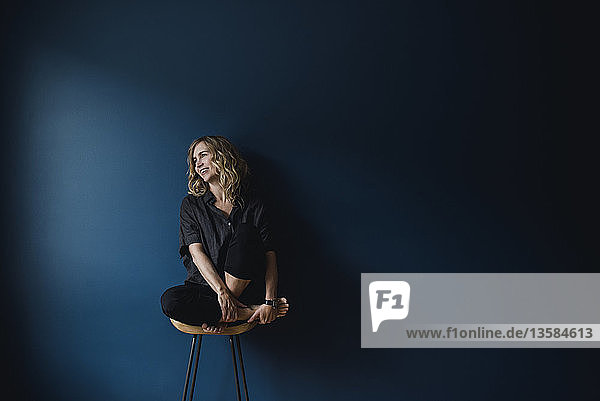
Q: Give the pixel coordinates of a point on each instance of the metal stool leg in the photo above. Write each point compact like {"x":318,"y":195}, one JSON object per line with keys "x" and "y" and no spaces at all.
{"x":195,"y":368}
{"x":239,"y":350}
{"x":189,"y":367}
{"x":237,"y":384}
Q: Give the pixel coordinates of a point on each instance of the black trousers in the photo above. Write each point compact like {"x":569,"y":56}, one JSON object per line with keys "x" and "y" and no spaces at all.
{"x":195,"y":304}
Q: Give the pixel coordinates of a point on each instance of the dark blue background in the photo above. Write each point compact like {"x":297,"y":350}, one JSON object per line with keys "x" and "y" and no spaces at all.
{"x":387,"y":136}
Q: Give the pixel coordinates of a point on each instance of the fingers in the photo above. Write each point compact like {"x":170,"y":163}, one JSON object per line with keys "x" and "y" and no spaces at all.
{"x":253,"y":317}
{"x":268,"y":317}
{"x":229,"y":312}
{"x":225,"y":311}
{"x":263,"y":316}
{"x":229,"y":315}
{"x":228,"y":308}
{"x":223,"y":305}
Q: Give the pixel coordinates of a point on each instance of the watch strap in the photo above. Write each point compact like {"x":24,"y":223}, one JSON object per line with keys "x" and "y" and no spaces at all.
{"x":271,"y":302}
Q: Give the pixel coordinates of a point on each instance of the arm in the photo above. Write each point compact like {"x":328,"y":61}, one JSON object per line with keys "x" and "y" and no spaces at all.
{"x":264,"y":229}
{"x":226,"y":299}
{"x":271,"y":276}
{"x":265,"y":313}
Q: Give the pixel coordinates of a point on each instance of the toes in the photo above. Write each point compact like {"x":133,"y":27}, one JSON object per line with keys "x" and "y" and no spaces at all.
{"x":211,"y":329}
{"x":283,"y":304}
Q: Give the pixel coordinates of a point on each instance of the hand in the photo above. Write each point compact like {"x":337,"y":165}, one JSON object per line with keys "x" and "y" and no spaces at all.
{"x":264,"y":314}
{"x":229,"y":306}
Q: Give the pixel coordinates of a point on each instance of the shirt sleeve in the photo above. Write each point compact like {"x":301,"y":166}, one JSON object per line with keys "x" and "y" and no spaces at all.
{"x":261,"y":221}
{"x":189,"y":231}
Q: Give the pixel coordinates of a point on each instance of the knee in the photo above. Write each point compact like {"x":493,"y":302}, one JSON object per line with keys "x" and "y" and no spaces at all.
{"x":168,"y":302}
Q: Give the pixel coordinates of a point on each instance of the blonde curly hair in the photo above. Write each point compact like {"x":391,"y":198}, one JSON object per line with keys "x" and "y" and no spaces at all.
{"x":231,"y":167}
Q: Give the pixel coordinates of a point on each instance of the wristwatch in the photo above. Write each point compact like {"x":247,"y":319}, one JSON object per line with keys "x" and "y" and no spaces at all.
{"x":271,"y":302}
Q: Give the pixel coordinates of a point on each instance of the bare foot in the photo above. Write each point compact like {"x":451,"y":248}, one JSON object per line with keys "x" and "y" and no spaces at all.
{"x":282,"y":307}
{"x":213,"y":328}
{"x":245,"y":314}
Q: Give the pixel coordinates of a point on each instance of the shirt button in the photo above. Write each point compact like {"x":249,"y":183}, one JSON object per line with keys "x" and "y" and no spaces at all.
{"x":229,"y":223}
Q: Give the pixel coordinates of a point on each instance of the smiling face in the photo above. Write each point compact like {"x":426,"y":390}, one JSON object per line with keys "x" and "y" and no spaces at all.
{"x":213,"y":160}
{"x":202,"y":159}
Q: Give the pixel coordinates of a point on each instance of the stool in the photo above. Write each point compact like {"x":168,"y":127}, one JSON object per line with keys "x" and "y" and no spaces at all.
{"x":232,"y":332}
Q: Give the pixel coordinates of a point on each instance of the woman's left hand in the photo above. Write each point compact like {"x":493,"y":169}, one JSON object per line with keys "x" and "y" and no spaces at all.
{"x":264,"y":314}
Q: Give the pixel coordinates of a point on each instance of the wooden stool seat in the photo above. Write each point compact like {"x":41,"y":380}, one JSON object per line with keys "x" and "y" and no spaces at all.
{"x":227,"y":331}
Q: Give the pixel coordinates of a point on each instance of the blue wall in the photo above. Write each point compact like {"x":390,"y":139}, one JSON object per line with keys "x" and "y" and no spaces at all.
{"x":388,"y":137}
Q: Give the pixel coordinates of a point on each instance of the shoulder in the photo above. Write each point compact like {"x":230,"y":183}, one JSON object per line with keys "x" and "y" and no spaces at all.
{"x":191,"y":202}
{"x":188,"y":199}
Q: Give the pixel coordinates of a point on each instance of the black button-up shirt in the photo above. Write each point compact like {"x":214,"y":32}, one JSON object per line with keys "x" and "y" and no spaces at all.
{"x":201,"y":221}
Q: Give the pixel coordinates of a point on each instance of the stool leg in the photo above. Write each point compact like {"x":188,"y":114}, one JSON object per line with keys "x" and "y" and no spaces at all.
{"x":195,"y":368}
{"x":239,"y":348}
{"x":189,"y":368}
{"x":237,"y":384}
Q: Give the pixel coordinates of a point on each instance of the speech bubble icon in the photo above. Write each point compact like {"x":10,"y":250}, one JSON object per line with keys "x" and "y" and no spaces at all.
{"x":389,"y":301}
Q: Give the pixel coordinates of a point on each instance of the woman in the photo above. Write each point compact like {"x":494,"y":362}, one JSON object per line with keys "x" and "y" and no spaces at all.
{"x":225,"y":243}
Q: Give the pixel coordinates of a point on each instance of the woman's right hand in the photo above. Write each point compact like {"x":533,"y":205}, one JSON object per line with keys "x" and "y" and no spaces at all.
{"x":229,"y":306}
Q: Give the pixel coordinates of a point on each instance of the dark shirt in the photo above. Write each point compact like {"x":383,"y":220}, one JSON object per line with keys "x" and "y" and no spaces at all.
{"x":201,"y":221}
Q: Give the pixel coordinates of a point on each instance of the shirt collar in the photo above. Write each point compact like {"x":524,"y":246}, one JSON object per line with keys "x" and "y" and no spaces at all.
{"x":209,"y":197}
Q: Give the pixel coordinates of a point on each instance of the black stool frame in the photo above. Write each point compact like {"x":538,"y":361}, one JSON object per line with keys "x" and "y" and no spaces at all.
{"x":196,"y":345}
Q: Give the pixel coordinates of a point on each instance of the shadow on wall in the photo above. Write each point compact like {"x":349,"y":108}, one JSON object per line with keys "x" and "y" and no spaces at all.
{"x":323,"y":326}
{"x":308,"y":274}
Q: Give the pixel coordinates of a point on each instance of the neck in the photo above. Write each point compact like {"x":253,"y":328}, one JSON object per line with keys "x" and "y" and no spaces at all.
{"x":218,"y":192}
